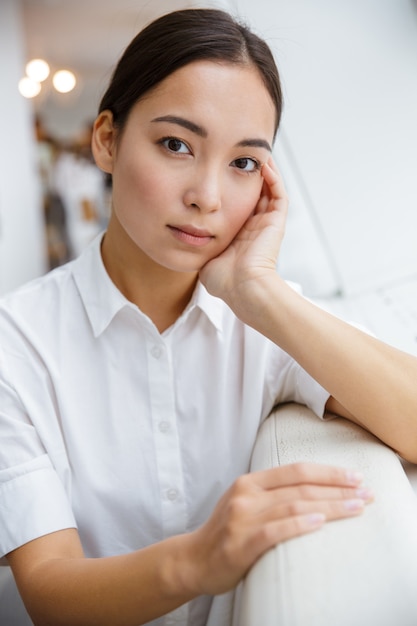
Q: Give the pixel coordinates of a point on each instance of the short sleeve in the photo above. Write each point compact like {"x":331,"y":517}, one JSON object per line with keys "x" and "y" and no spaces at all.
{"x":33,"y":500}
{"x":289,"y":382}
{"x":309,"y":392}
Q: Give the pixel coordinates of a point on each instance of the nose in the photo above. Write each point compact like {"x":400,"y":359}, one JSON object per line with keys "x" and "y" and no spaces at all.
{"x":204,"y":190}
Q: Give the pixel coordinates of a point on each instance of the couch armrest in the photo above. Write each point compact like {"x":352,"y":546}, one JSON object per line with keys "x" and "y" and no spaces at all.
{"x":355,"y":571}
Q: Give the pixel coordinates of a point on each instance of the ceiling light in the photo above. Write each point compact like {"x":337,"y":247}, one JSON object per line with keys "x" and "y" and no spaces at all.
{"x":38,"y":70}
{"x":28,"y":87}
{"x":64,"y":81}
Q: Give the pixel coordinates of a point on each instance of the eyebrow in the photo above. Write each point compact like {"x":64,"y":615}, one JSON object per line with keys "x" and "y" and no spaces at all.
{"x":180,"y":121}
{"x":255,"y":143}
{"x":201,"y":132}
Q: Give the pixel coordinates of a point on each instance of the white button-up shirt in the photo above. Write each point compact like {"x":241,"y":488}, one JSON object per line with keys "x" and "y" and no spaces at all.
{"x":128,"y":434}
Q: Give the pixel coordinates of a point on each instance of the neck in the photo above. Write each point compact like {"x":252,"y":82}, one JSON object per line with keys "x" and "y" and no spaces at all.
{"x":160,"y":293}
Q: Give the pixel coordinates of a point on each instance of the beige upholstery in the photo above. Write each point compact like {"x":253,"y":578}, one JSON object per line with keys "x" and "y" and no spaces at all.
{"x":355,"y":572}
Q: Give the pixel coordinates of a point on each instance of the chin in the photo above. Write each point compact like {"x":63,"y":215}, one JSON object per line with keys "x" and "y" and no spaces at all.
{"x":184,"y":266}
{"x":185,"y":260}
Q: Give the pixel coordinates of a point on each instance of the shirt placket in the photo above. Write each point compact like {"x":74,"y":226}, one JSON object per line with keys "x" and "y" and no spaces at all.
{"x":166,"y":438}
{"x":167,"y":450}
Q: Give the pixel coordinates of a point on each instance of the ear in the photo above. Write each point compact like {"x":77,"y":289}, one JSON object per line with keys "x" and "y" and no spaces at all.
{"x":104,"y":141}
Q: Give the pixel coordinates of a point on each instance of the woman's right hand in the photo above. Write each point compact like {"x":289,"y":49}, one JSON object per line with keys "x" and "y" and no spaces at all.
{"x":263,"y":509}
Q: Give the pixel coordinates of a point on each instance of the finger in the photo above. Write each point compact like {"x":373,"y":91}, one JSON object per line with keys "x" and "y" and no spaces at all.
{"x":306,"y":473}
{"x":331,"y":509}
{"x":273,"y":179}
{"x":262,"y":205}
{"x":277,"y":531}
{"x":315,"y":493}
{"x":307,"y":517}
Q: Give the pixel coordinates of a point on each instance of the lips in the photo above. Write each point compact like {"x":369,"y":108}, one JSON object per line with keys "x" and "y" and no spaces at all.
{"x":191,"y":235}
{"x":192,"y":230}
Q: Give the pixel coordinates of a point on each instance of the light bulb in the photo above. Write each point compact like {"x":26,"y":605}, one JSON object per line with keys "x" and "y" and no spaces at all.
{"x":37,"y":69}
{"x":29,"y":88}
{"x":64,"y":81}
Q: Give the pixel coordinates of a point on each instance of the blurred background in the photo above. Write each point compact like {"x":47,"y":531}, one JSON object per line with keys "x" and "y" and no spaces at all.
{"x":347,"y":146}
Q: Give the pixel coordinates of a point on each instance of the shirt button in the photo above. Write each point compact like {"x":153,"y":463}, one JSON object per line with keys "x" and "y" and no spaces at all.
{"x":156,"y":352}
{"x":163,"y":427}
{"x":172,"y":494}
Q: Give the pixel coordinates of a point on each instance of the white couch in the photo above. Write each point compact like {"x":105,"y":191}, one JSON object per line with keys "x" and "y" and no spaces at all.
{"x":354,"y":572}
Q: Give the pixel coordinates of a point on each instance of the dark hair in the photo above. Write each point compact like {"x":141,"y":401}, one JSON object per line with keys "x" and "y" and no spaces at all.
{"x":179,"y":38}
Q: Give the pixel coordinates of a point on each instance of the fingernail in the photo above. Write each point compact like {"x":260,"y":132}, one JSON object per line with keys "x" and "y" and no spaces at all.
{"x":365,"y":494}
{"x":316,"y":519}
{"x":354,"y":478}
{"x":354,"y":505}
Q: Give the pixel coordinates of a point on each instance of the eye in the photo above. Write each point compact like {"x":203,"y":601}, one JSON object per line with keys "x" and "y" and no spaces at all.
{"x":247,"y":164}
{"x":173,"y":144}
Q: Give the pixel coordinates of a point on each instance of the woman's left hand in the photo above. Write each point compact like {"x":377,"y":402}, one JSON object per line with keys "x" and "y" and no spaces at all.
{"x":253,"y":253}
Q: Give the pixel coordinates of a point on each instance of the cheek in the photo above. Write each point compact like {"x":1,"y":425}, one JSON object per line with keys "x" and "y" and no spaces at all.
{"x":244,"y":200}
{"x":137,"y":186}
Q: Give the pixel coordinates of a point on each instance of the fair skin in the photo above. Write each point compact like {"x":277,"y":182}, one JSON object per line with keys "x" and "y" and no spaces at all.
{"x":196,"y":194}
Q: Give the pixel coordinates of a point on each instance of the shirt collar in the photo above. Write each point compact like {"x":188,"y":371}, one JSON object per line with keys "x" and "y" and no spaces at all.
{"x":212,"y":307}
{"x":103,"y":300}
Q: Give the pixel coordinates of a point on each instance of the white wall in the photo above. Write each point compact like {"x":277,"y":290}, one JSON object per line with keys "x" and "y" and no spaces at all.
{"x":349,"y":71}
{"x":22,"y":250}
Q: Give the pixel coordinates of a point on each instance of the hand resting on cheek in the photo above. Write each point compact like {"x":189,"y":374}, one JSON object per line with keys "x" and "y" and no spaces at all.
{"x":254,"y":251}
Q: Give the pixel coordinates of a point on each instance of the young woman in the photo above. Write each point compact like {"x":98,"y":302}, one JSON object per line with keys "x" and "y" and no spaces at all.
{"x":134,"y":379}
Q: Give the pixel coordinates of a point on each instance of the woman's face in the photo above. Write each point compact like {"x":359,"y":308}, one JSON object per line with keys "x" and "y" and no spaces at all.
{"x":186,"y":169}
